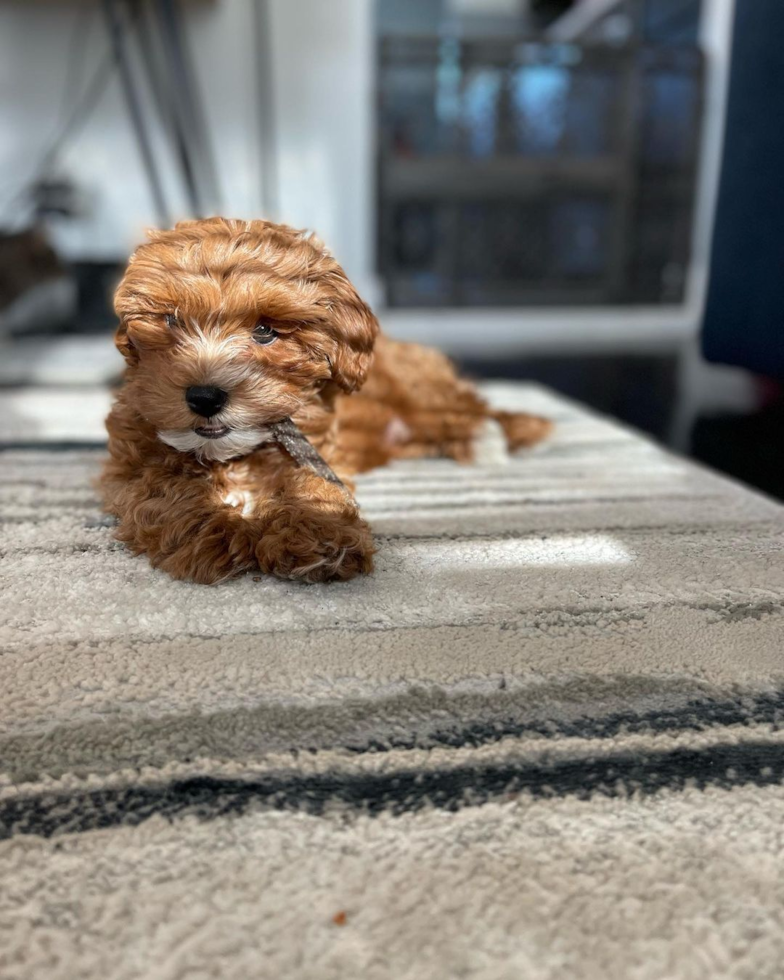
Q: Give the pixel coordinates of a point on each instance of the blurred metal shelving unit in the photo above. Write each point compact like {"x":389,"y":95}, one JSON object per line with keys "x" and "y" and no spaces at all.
{"x":520,"y":173}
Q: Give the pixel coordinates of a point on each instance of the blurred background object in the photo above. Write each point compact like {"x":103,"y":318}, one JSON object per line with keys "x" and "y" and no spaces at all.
{"x":528,"y":184}
{"x":540,"y":172}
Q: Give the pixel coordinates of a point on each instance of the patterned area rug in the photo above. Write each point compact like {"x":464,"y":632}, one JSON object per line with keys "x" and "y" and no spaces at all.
{"x":543,"y":740}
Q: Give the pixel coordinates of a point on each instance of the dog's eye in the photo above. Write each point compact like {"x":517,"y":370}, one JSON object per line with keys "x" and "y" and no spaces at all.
{"x":264,"y":334}
{"x":171,"y":320}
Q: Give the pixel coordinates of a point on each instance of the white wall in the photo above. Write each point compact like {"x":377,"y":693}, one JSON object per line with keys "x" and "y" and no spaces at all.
{"x":323,"y":68}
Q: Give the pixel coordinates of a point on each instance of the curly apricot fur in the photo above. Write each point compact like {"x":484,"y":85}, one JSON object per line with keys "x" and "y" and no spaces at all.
{"x":187,"y":305}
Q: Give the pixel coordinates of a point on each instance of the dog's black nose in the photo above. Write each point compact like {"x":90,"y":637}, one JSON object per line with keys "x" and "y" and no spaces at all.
{"x":205,"y":400}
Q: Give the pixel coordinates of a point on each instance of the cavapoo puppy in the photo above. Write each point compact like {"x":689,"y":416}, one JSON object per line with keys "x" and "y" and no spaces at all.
{"x":227,"y":328}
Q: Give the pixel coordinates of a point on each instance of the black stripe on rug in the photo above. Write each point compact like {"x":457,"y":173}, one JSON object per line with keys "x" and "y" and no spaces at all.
{"x":695,"y":716}
{"x":209,"y":798}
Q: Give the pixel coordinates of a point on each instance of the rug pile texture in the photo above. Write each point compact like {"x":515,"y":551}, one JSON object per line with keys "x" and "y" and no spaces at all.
{"x":543,"y":740}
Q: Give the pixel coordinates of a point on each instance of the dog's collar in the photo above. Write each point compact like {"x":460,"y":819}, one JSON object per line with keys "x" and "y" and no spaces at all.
{"x":291,"y":439}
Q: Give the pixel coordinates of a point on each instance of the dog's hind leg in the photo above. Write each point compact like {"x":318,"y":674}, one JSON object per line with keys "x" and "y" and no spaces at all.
{"x":420,"y":406}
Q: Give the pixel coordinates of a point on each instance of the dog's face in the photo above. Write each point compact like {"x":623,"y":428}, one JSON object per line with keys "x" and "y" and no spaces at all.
{"x":229,"y":325}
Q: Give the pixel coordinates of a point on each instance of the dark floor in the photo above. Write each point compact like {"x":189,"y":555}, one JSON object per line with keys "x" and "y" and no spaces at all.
{"x":748,"y":447}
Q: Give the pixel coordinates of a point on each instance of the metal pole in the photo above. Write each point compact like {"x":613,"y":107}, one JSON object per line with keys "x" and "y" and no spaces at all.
{"x":185,"y":98}
{"x":114,"y":18}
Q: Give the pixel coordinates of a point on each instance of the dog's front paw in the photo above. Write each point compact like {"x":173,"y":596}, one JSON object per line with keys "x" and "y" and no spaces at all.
{"x":313,"y":546}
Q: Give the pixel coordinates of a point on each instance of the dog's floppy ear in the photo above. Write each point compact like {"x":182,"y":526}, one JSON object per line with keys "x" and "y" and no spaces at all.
{"x":122,"y":341}
{"x":353,"y":328}
{"x":124,"y":344}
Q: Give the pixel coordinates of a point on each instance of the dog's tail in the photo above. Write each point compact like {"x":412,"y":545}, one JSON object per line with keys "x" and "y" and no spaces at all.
{"x":522,"y":429}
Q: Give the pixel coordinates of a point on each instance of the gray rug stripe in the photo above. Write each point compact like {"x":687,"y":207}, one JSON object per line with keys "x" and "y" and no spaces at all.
{"x":422,"y":719}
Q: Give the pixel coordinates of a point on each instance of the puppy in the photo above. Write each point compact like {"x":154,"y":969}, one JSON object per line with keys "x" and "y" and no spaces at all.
{"x":227,"y":327}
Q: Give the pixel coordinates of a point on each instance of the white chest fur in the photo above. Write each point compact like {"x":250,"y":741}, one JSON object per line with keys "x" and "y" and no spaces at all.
{"x":240,"y":498}
{"x":238,"y":442}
